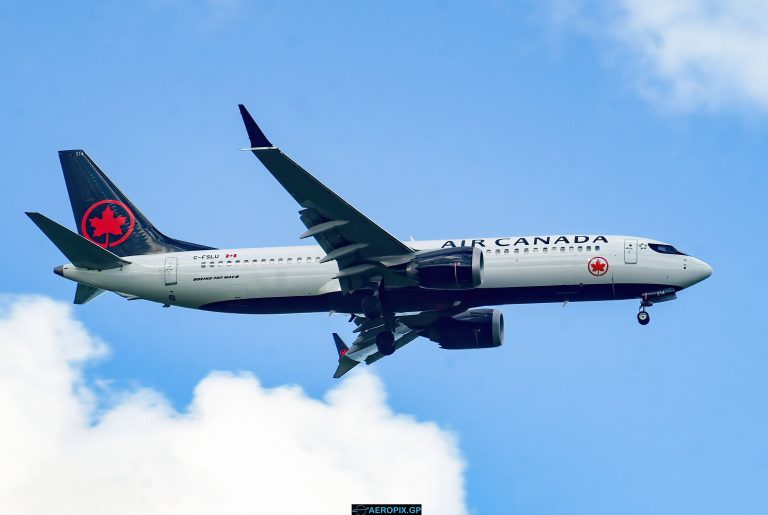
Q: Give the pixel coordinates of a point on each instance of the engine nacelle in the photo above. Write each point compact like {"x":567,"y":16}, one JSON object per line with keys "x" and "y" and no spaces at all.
{"x":459,"y":268}
{"x":473,"y":329}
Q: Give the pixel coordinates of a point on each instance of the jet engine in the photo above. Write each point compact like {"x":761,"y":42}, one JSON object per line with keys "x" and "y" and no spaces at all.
{"x":473,"y":329}
{"x":459,"y":268}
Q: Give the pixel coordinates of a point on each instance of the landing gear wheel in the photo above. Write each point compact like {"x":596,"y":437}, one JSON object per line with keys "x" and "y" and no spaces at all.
{"x":385,"y":342}
{"x":643,"y":317}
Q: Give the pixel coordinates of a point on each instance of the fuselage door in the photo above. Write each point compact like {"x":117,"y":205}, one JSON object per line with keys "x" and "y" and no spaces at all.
{"x":171,"y":264}
{"x":630,"y":251}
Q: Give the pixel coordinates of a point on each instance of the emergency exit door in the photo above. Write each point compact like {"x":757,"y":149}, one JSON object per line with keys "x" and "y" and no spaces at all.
{"x":630,"y":251}
{"x":171,"y":263}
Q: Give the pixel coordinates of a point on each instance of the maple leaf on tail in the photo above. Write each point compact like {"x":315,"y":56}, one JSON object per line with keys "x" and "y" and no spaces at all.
{"x":107,"y":224}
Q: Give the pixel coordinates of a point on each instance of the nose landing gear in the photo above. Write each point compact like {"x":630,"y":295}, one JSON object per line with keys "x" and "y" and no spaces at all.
{"x":648,"y":299}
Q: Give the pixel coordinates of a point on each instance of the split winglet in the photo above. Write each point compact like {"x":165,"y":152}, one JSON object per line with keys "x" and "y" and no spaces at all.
{"x":258,"y":139}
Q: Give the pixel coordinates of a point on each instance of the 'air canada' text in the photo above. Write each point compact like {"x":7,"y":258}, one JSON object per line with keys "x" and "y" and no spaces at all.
{"x":530,"y":240}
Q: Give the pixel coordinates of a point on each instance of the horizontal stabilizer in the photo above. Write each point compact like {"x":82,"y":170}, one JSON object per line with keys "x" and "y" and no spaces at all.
{"x":85,"y":293}
{"x":345,"y":365}
{"x":80,"y":252}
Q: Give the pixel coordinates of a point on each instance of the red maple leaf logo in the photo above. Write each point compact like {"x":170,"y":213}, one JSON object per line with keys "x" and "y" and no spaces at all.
{"x":107,"y":224}
{"x":598,"y":266}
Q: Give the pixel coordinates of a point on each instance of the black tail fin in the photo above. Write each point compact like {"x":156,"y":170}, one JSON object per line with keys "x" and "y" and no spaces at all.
{"x":345,"y":364}
{"x":106,"y":217}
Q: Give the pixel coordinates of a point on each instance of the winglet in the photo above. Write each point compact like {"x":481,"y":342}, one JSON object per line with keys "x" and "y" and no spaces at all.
{"x":258,"y":139}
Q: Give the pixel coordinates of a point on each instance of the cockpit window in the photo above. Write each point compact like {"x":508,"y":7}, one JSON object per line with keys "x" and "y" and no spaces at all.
{"x":665,"y":249}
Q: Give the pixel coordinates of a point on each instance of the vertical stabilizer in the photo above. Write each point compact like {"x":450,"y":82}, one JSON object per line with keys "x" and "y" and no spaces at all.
{"x":105,"y":216}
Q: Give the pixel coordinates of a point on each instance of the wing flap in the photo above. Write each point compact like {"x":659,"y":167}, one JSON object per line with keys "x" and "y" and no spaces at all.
{"x":312,"y":194}
{"x":344,"y":233}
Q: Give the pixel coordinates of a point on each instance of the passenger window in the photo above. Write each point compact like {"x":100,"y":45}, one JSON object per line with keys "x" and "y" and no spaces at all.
{"x":589,"y":248}
{"x":263,"y":261}
{"x":237,"y":262}
{"x":210,"y":264}
{"x":280,"y":260}
{"x":526,"y":250}
{"x":289,"y":260}
{"x":272,"y":261}
{"x":517,"y":251}
{"x":202,"y":265}
{"x":506,"y":251}
{"x":229,"y":263}
{"x":245,"y":261}
{"x":298,"y":260}
{"x":488,"y":252}
{"x":562,"y":249}
{"x":535,"y":250}
{"x":498,"y":251}
{"x":317,"y":259}
{"x":309,"y":260}
{"x":579,"y":248}
{"x":570,"y":249}
{"x":221,"y":263}
{"x":597,"y":247}
{"x":545,"y":250}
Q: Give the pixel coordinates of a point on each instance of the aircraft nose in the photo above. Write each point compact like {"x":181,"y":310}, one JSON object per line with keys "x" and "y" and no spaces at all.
{"x":700,"y":270}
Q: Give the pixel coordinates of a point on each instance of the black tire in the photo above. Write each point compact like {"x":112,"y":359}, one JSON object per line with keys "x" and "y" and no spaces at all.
{"x":385,"y":343}
{"x":644,"y":318}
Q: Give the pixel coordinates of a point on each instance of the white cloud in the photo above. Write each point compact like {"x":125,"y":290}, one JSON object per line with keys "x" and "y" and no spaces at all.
{"x":238,"y":448}
{"x":699,"y":52}
{"x":685,"y":54}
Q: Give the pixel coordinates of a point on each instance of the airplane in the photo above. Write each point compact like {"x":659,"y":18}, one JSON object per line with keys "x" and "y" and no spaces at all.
{"x":394,"y":291}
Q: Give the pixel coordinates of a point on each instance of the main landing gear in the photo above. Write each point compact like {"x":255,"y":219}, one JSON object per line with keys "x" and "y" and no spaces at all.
{"x":372,"y":309}
{"x":385,"y":342}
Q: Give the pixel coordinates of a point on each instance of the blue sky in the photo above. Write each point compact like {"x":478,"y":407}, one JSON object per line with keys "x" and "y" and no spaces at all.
{"x":436,"y":119}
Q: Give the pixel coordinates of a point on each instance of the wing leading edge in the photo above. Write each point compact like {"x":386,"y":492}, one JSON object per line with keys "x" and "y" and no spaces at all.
{"x":362,"y":250}
{"x":356,"y":243}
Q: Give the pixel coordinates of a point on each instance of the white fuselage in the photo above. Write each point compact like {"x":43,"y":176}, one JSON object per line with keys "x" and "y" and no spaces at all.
{"x":292,"y":279}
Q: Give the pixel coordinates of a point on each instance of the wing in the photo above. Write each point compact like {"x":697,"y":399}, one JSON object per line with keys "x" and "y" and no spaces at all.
{"x":363,"y":349}
{"x":346,"y":235}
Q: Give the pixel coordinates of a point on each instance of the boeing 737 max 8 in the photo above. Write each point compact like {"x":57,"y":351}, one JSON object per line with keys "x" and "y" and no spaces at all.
{"x":394,"y":291}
